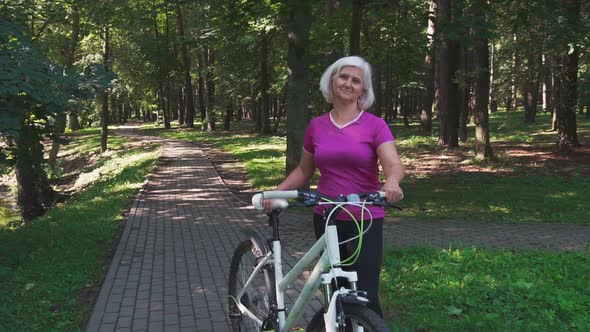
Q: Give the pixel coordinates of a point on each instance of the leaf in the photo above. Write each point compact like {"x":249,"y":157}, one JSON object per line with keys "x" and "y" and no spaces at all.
{"x":454,"y":311}
{"x":29,"y":286}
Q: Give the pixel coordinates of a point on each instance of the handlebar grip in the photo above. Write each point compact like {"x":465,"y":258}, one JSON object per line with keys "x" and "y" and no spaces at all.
{"x":284,"y":194}
{"x":276,"y":203}
{"x":382,"y":194}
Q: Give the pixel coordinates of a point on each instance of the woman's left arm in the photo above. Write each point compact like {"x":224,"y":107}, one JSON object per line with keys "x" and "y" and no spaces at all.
{"x":394,"y":171}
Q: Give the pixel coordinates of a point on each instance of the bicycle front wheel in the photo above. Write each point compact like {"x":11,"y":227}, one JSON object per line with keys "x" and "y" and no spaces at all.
{"x":258,"y":298}
{"x":358,"y":319}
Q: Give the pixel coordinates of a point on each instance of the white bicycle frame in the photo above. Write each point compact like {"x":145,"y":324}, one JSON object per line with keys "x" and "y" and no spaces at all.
{"x":327,"y":247}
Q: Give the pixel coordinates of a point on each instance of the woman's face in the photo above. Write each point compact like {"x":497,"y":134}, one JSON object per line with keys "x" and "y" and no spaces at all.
{"x":348,"y":85}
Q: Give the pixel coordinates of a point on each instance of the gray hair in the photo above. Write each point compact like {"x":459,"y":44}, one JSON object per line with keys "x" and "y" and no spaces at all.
{"x":368,"y":96}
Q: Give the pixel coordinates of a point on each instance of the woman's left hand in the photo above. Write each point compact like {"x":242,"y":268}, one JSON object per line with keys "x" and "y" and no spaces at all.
{"x":393,"y":190}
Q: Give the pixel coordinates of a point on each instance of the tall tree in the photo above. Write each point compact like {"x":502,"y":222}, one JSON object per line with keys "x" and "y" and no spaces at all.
{"x":483,"y":148}
{"x":426,"y":111}
{"x":355,"y":27}
{"x":264,"y":83}
{"x":567,"y":82}
{"x":70,"y":57}
{"x":188,"y":85}
{"x":298,"y":25}
{"x":33,"y":89}
{"x":447,"y":68}
{"x":104,"y":113}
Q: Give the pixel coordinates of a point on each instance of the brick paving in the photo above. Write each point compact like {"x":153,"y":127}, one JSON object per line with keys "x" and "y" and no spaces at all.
{"x":169,"y":272}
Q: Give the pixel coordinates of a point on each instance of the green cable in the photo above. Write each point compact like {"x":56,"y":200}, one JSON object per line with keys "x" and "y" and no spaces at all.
{"x":356,"y":254}
{"x":360,"y":228}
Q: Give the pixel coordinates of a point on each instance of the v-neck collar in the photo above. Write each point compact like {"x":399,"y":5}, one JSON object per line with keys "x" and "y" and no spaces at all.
{"x":348,"y":123}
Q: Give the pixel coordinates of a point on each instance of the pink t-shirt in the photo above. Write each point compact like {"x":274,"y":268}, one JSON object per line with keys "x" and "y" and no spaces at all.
{"x":346,"y":157}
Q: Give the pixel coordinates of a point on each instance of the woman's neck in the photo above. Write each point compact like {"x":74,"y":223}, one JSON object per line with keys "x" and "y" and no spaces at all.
{"x":344,"y":113}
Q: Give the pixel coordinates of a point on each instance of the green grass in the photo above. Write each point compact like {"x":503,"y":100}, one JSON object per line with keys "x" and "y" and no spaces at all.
{"x":47,"y":264}
{"x":489,"y":197}
{"x":469,"y":289}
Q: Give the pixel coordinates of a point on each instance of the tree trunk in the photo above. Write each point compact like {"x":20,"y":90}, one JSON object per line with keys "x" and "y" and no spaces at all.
{"x":264,"y":84}
{"x":73,"y":122}
{"x":547,"y":84}
{"x":60,"y":121}
{"x":211,"y":117}
{"x":104,"y":118}
{"x":531,"y":87}
{"x":298,"y":25}
{"x":483,"y":148}
{"x":493,"y":99}
{"x":180,"y":105}
{"x":189,"y":114}
{"x":228,"y":114}
{"x":201,"y":86}
{"x":464,"y":92}
{"x":355,"y":28}
{"x":428,"y":97}
{"x":447,"y":59}
{"x":513,"y":104}
{"x":566,"y":109}
{"x":35,"y":195}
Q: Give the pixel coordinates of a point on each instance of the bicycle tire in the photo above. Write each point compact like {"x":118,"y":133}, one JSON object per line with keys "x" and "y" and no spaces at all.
{"x":260,"y":298}
{"x":355,"y":314}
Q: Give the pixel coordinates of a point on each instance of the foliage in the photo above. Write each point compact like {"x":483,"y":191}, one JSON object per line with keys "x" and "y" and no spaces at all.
{"x":468,"y":289}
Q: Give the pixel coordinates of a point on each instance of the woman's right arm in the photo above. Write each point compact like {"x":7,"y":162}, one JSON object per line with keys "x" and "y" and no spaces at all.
{"x":297,"y":178}
{"x":301,"y":174}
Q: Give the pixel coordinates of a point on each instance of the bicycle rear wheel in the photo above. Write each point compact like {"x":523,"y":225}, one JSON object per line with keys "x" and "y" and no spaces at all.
{"x":259,"y":297}
{"x":358,"y":319}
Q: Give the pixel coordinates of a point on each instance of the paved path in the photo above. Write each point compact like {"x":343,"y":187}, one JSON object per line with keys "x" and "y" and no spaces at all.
{"x":169,"y":272}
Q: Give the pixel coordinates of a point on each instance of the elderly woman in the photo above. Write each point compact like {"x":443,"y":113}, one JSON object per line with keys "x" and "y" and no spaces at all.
{"x":346,"y":145}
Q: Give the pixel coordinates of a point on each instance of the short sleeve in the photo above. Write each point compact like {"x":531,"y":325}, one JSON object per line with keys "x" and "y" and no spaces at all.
{"x":382,"y":133}
{"x":308,"y":138}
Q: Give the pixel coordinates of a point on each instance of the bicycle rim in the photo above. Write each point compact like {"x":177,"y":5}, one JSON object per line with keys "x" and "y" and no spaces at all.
{"x":259,"y":295}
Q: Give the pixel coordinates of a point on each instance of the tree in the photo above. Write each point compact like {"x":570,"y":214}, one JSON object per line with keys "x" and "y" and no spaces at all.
{"x":298,"y":24}
{"x":189,"y":112}
{"x":33,"y":89}
{"x":426,"y":112}
{"x":567,"y":138}
{"x":447,"y":68}
{"x":483,"y":149}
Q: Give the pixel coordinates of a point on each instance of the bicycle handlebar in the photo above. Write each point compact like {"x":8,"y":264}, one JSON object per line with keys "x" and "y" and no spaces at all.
{"x":311,"y":198}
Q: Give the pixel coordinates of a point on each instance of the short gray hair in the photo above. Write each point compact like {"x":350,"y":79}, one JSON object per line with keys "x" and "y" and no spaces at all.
{"x":367,"y":98}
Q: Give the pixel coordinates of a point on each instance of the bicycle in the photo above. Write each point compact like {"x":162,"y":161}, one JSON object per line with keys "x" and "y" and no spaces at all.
{"x":257,"y":285}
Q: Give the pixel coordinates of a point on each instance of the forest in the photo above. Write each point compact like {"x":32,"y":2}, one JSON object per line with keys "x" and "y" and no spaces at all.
{"x":71,"y":64}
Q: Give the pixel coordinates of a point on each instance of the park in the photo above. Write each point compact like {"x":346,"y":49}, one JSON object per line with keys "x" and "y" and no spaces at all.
{"x":133,"y":135}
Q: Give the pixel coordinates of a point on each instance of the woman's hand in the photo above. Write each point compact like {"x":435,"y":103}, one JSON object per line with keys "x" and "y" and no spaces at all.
{"x":393,"y":191}
{"x":266,"y":204}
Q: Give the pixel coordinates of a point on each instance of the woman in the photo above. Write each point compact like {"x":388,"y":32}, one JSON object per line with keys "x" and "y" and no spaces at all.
{"x":346,"y":145}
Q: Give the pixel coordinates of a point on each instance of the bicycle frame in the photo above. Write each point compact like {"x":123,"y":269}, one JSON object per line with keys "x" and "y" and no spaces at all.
{"x":327,"y":247}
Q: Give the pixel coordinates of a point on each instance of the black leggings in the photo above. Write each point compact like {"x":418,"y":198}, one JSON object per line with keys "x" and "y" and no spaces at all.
{"x":368,"y":264}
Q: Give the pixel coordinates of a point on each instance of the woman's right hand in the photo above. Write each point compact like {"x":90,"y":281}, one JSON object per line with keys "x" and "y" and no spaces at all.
{"x":266,"y":204}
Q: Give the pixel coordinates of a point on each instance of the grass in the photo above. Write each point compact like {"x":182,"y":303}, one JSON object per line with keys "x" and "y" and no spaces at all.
{"x":50,"y":268}
{"x":468,"y":289}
